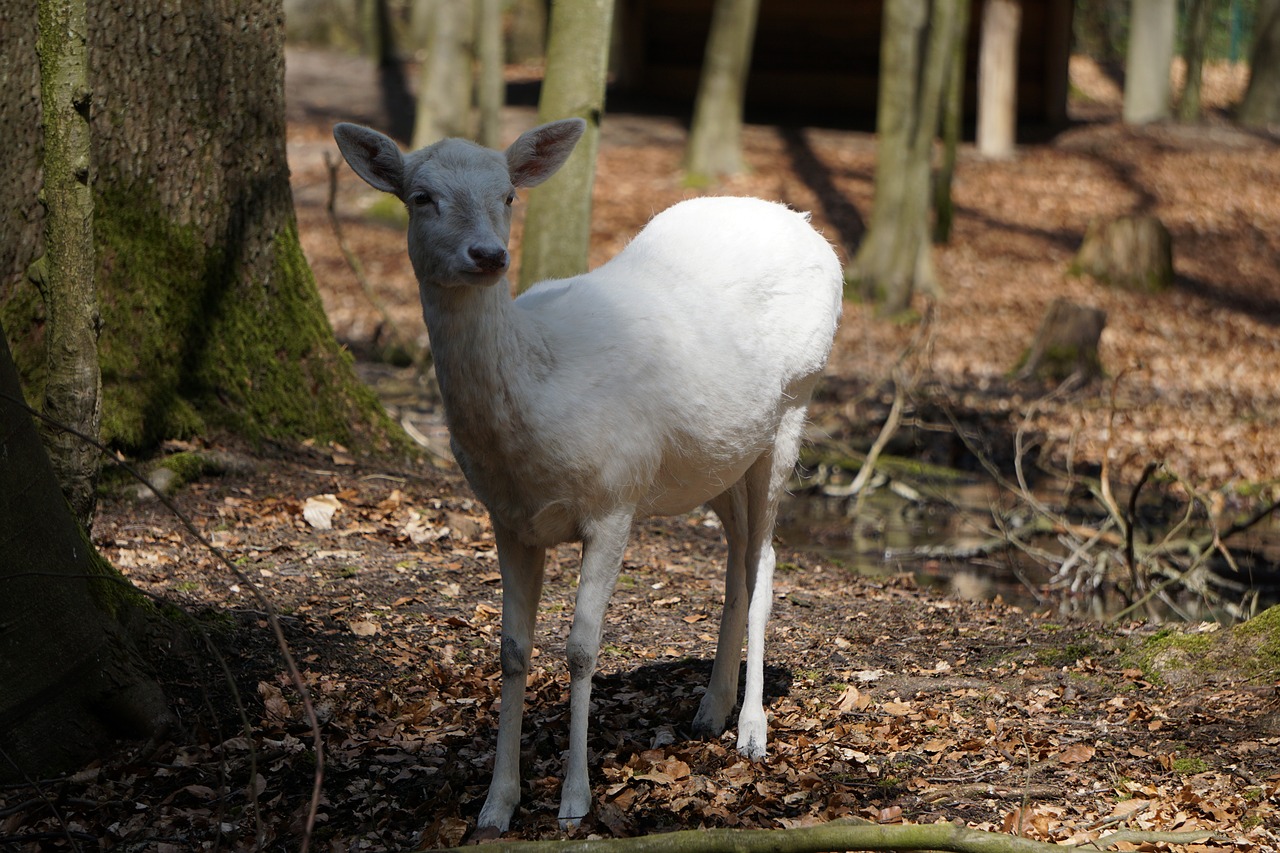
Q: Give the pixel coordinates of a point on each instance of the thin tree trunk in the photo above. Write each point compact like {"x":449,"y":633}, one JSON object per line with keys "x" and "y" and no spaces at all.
{"x":998,"y":78}
{"x":1199,"y":19}
{"x":445,"y":87}
{"x":715,"y":138}
{"x":557,"y":235}
{"x":1261,"y":104}
{"x":952,"y":120}
{"x":895,"y":260}
{"x":65,"y":275}
{"x":491,"y":92}
{"x":1152,"y":27}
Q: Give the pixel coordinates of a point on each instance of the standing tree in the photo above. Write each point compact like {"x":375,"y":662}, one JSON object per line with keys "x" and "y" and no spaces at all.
{"x":210,"y":317}
{"x":491,"y":88}
{"x":1261,"y":104}
{"x":1199,"y":19}
{"x":715,"y":139}
{"x":952,"y":120}
{"x":998,"y":78}
{"x":72,"y":679}
{"x":557,"y":232}
{"x":895,"y":259}
{"x":65,"y":274}
{"x":1153,"y":24}
{"x":445,"y":86}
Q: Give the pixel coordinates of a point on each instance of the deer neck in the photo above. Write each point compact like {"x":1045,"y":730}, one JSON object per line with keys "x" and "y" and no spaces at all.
{"x":489,"y":357}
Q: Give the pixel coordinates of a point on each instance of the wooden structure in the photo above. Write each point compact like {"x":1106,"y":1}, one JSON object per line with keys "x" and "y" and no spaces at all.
{"x":820,"y":59}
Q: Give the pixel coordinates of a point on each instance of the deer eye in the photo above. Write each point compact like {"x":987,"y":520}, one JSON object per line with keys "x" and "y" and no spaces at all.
{"x":421,"y":199}
{"x":511,"y":197}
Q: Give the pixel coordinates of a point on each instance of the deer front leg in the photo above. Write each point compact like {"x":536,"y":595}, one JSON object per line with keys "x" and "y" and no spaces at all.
{"x":603,"y":544}
{"x":522,"y":569}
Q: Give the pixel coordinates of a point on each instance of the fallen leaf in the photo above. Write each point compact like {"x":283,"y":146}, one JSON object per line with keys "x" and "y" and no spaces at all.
{"x":319,"y":509}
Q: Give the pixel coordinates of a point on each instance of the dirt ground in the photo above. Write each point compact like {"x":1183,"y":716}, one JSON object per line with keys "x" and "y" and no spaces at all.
{"x":886,"y":702}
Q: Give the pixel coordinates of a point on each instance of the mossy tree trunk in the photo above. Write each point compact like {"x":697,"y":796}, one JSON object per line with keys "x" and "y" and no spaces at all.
{"x":65,"y":274}
{"x":557,"y":235}
{"x":72,"y":680}
{"x":715,"y":138}
{"x":210,"y":317}
{"x":894,"y":261}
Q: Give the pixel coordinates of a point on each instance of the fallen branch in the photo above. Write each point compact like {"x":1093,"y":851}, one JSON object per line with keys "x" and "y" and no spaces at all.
{"x":837,"y":835}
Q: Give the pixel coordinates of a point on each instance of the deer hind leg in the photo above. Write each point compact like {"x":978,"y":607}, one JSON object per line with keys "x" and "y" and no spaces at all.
{"x":722,"y":689}
{"x":765,"y":482}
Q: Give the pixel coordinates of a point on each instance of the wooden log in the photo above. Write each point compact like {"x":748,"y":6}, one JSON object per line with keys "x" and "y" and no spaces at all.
{"x":1066,"y":345}
{"x":1130,"y":252}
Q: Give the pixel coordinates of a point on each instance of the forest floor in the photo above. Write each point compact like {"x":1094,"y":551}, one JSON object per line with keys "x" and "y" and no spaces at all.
{"x":886,"y":701}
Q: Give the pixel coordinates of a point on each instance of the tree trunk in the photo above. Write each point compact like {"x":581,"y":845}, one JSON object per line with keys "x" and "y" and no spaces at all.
{"x":894,"y":260}
{"x":1199,"y":19}
{"x":71,"y":679}
{"x":210,"y":317}
{"x":715,"y":139}
{"x":1130,"y":252}
{"x":1261,"y":104}
{"x":952,"y":122}
{"x":65,"y":275}
{"x":557,"y":231}
{"x":444,"y":89}
{"x":527,"y":35}
{"x":998,"y":78}
{"x":1153,"y":25}
{"x":1066,"y":346}
{"x":492,"y":89}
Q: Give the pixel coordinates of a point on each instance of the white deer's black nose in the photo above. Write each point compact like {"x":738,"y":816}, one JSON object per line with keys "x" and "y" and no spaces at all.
{"x":488,"y":258}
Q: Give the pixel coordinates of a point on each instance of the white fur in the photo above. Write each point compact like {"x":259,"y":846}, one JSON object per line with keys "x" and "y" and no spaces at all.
{"x":675,"y":375}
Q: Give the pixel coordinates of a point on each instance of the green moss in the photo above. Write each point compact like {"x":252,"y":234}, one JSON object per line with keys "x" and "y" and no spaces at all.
{"x":1066,"y":655}
{"x":214,"y":348}
{"x":1189,"y":766}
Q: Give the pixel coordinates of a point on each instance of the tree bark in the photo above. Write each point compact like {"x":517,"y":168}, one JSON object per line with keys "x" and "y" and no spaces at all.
{"x":65,"y":275}
{"x":527,"y":36}
{"x":1199,"y":19}
{"x":492,"y":88}
{"x":895,"y":260}
{"x":557,"y":231}
{"x":72,"y":680}
{"x":715,"y":138}
{"x":445,"y":86}
{"x":1131,"y":252}
{"x":998,"y":78}
{"x":1152,"y":27}
{"x":952,"y":123}
{"x":1066,"y":346}
{"x":1261,"y":104}
{"x":210,"y":317}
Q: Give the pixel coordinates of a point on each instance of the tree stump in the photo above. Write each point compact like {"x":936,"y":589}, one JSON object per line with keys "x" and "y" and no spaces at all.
{"x":1066,"y":346}
{"x":1131,"y":252}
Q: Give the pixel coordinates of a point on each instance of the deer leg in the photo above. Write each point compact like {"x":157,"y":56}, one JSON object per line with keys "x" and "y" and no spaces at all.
{"x":603,"y":543}
{"x":522,"y":570}
{"x":722,"y":689}
{"x":765,"y":481}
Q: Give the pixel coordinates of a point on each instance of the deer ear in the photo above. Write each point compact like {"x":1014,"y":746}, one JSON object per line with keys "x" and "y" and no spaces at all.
{"x":538,"y":153}
{"x":373,"y":156}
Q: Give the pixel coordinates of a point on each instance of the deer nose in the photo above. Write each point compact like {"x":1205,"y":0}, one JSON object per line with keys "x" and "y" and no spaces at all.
{"x":488,"y":258}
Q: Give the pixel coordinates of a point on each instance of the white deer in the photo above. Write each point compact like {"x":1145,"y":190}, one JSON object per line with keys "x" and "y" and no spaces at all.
{"x":675,"y":375}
